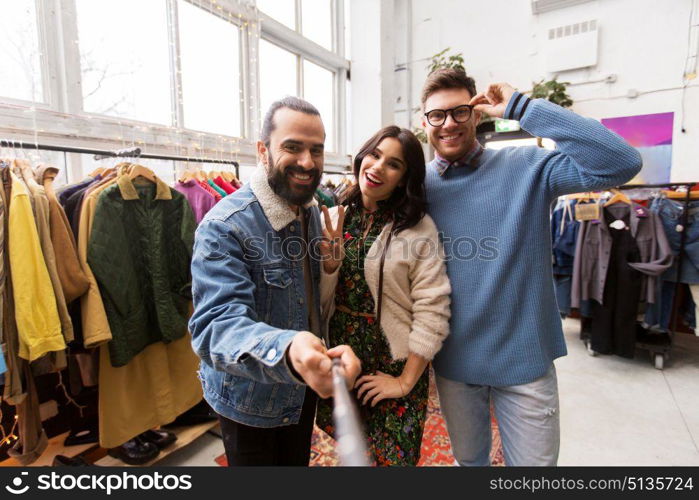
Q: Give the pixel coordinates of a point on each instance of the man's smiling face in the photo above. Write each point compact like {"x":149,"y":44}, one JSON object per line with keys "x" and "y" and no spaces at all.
{"x":295,"y":156}
{"x":451,"y":140}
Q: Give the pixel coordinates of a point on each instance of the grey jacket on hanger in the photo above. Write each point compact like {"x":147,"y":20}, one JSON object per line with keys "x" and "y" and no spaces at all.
{"x":594,"y":246}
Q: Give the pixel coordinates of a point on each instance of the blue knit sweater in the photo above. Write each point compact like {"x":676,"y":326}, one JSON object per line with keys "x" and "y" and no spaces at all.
{"x":505,"y":326}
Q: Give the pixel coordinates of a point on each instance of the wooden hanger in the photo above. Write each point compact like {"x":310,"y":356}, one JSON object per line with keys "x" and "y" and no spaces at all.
{"x":49,"y":177}
{"x":141,"y":171}
{"x":24,"y":167}
{"x":584,"y":196}
{"x":679,"y":195}
{"x":97,"y":171}
{"x":186,"y":176}
{"x":618,"y":197}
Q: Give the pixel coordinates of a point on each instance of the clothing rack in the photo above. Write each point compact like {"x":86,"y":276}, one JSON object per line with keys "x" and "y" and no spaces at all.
{"x":122,"y":153}
{"x":661,"y":351}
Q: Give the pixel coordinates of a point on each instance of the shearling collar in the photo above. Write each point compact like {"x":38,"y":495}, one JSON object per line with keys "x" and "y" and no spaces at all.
{"x":129,"y":192}
{"x":275,"y":208}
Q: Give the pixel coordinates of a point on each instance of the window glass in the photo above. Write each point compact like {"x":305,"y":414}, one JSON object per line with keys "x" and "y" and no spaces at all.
{"x":283,"y":11}
{"x":125,"y":59}
{"x":278,"y":74}
{"x":210,"y":71}
{"x":348,"y":31}
{"x":318,"y":84}
{"x":20,"y":70}
{"x":316,"y":22}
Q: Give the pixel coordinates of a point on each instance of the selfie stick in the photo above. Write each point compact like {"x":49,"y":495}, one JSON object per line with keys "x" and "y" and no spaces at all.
{"x":351,"y":443}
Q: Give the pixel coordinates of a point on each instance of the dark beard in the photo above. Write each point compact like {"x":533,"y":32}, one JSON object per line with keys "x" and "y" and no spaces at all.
{"x":279,"y":182}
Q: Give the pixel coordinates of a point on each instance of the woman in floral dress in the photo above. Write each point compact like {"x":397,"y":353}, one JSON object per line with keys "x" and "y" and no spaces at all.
{"x":386,"y":246}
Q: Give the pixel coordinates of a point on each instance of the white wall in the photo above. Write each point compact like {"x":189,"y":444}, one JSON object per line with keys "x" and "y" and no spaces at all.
{"x":643,"y":42}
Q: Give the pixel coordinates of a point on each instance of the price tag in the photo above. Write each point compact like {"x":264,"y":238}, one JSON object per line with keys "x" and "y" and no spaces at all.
{"x":587,"y":211}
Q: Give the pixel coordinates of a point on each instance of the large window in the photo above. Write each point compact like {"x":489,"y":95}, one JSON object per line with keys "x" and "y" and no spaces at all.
{"x":316,"y":22}
{"x":210,"y":71}
{"x":125,"y":59}
{"x":21,"y":75}
{"x":279,"y":78}
{"x":318,"y":85}
{"x":172,"y":77}
{"x":278,"y":74}
{"x":283,"y":11}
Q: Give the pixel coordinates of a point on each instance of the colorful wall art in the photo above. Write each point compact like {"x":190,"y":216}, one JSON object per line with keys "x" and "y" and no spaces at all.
{"x":652,"y":136}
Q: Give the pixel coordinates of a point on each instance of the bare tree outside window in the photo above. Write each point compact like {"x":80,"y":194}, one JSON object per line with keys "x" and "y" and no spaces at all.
{"x":125,"y":59}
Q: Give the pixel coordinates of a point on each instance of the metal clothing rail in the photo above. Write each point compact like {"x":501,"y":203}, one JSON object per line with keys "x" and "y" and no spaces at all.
{"x":660,"y":351}
{"x":122,"y":153}
{"x":689,"y":185}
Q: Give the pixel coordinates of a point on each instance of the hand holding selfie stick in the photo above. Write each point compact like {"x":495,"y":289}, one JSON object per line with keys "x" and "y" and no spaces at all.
{"x":351,"y":442}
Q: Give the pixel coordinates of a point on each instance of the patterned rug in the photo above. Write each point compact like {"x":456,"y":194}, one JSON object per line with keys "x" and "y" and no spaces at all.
{"x":436,"y":448}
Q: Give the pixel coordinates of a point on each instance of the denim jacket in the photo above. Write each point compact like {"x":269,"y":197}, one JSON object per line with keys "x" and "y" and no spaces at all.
{"x":249,"y":302}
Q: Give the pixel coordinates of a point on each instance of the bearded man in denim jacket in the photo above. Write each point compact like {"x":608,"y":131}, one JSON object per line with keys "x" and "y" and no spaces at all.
{"x":256,"y":322}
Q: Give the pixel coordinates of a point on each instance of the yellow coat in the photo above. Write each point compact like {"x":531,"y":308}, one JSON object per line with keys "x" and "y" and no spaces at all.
{"x":38,"y":323}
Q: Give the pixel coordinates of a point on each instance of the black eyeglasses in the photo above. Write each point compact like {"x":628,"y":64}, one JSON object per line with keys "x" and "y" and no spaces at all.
{"x":460,"y":114}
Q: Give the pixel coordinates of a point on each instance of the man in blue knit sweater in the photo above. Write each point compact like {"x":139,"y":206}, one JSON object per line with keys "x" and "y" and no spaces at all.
{"x":493,"y":210}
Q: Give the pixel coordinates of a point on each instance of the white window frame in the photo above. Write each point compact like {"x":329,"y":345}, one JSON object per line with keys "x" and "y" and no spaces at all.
{"x":62,"y":120}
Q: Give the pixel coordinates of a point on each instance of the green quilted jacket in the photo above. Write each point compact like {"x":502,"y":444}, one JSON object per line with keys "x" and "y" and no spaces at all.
{"x":140,"y":251}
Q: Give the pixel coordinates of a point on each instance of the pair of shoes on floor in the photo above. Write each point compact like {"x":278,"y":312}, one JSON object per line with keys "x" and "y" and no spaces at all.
{"x":144,"y":447}
{"x":159,"y":437}
{"x":62,"y":460}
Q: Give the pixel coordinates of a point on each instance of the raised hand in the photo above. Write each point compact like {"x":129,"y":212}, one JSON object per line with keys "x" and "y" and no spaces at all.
{"x":493,"y":101}
{"x":332,"y":249}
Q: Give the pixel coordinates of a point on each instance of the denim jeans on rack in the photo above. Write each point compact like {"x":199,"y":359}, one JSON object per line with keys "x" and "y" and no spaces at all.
{"x":563,"y":285}
{"x":659,"y":315}
{"x":671,"y":214}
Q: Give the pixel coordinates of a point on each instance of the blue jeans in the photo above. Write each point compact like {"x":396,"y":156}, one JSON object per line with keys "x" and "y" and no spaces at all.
{"x":659,"y":315}
{"x":527,"y":415}
{"x":671,"y":216}
{"x":563,"y":284}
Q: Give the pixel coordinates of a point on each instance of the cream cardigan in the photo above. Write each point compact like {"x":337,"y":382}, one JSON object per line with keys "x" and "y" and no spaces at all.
{"x":415,"y":311}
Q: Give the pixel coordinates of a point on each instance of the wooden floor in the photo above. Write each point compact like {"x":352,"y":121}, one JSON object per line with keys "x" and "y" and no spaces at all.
{"x":92,"y":453}
{"x":185,"y":435}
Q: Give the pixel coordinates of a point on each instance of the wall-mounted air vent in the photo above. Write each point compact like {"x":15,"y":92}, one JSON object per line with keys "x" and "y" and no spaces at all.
{"x":573,"y":29}
{"x":572,"y":46}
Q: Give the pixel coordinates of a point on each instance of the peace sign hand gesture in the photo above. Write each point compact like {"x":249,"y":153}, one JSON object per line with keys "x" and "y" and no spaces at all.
{"x":332,"y":250}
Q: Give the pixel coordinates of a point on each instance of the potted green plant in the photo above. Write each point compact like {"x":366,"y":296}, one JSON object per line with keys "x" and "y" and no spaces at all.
{"x":553,"y":91}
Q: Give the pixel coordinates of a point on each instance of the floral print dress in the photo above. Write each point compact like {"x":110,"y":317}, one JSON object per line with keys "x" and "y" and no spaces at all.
{"x":394,"y":426}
